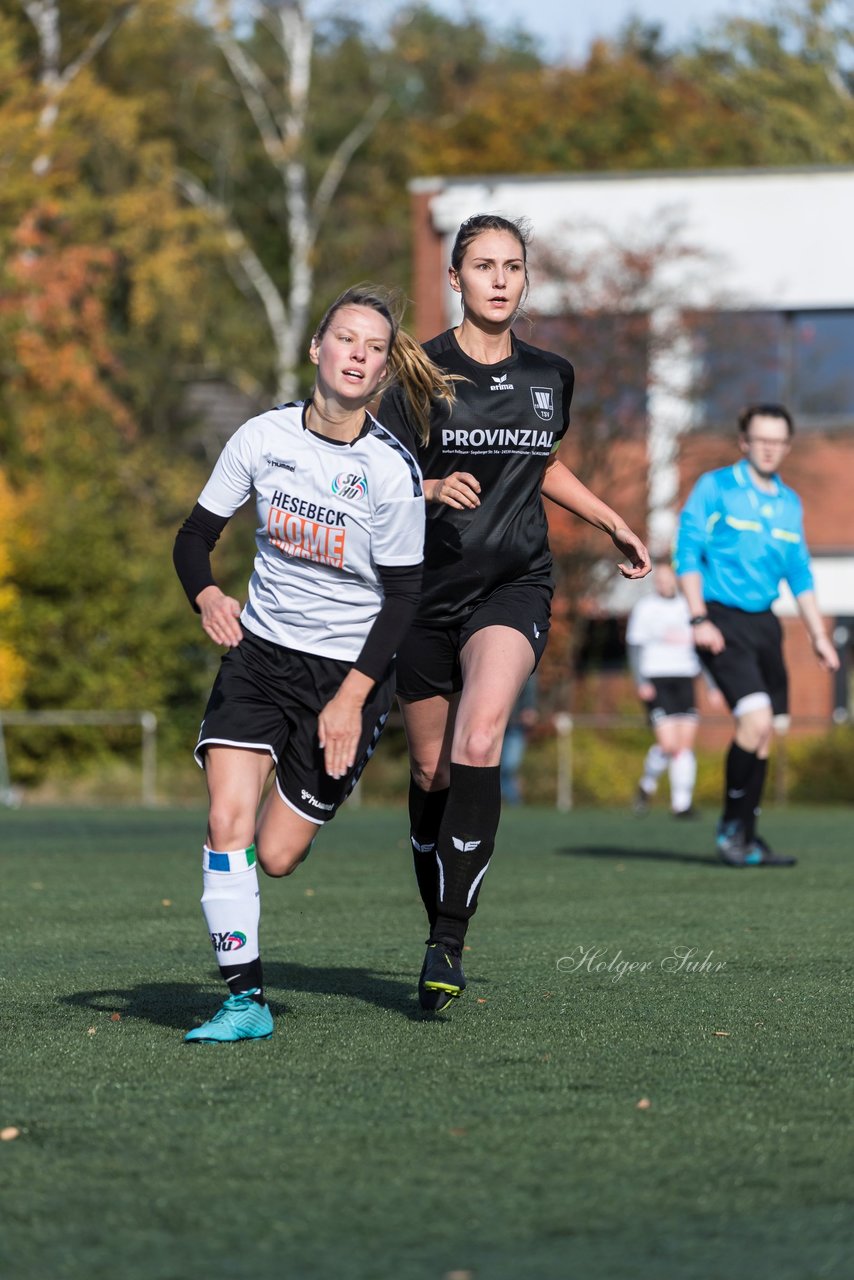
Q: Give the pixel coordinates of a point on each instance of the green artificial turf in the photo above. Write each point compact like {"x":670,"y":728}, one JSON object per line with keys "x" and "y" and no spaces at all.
{"x":501,"y":1141}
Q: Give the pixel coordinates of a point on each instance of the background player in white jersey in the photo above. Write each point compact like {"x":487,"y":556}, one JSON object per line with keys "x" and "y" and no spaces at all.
{"x":307,"y":683}
{"x":664,"y":665}
{"x":484,"y":617}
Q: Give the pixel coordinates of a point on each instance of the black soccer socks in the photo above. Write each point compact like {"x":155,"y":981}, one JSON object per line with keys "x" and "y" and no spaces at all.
{"x":464,"y":847}
{"x":426,"y":809}
{"x":753,"y":798}
{"x":740,"y":795}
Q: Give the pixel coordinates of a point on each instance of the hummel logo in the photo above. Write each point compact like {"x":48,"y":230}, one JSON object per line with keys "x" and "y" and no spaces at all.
{"x":500,"y":383}
{"x":286,"y":465}
{"x":465,"y":846}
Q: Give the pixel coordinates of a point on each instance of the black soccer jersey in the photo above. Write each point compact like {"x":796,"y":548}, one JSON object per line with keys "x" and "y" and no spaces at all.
{"x":507,"y":421}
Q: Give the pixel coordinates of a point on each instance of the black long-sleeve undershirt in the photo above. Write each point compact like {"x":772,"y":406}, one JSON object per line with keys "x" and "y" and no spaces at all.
{"x":401,"y":586}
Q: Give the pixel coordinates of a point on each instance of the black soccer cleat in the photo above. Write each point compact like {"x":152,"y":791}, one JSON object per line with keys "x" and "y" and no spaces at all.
{"x":731,"y":844}
{"x":442,"y":978}
{"x":688,"y":814}
{"x":760,"y":854}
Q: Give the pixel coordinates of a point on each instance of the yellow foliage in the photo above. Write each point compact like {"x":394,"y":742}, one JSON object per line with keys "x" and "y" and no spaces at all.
{"x":12,"y":667}
{"x":13,"y":673}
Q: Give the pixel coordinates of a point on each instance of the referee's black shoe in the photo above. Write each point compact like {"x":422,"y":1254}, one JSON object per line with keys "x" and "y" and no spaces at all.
{"x":731,"y":843}
{"x":442,"y":978}
{"x":760,"y":854}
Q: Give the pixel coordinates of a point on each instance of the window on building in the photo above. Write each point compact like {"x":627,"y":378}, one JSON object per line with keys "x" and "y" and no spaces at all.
{"x":804,"y":359}
{"x":611,"y":354}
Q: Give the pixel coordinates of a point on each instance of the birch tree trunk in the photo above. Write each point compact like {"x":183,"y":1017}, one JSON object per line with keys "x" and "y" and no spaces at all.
{"x":280,"y":116}
{"x":53,"y":77}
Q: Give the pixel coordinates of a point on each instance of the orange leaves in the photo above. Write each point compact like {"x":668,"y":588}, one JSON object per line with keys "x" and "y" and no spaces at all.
{"x":57,"y":304}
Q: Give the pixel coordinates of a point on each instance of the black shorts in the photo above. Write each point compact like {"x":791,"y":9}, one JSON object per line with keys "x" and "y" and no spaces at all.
{"x":674,"y":696}
{"x":268,"y":698}
{"x":428,"y":662}
{"x":752,"y":661}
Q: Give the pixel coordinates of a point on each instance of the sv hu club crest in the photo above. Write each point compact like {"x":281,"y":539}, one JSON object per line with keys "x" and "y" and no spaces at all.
{"x":348,"y":484}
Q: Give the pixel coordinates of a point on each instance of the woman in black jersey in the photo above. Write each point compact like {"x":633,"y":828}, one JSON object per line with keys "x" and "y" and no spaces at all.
{"x":484,"y":616}
{"x":307,"y":682}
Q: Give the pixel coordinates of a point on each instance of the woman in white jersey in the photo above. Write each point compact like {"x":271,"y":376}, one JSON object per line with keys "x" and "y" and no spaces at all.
{"x":488,"y":461}
{"x":307,"y":681}
{"x":664,"y":665}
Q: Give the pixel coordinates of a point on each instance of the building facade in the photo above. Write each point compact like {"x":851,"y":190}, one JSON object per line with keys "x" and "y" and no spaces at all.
{"x":740,"y":287}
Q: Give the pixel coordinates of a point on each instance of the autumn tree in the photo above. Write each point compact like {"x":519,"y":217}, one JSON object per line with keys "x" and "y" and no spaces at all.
{"x":272,"y":67}
{"x":98,"y":621}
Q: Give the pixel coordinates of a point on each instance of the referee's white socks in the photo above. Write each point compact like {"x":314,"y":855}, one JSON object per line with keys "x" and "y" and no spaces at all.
{"x":231,"y":904}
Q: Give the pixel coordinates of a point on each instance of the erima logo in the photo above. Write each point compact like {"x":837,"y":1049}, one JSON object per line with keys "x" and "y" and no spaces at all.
{"x":422,"y":848}
{"x":465,"y":846}
{"x":285,"y":464}
{"x":536,"y":632}
{"x":306,"y":795}
{"x":544,"y":405}
{"x":231,"y":941}
{"x":501,"y":384}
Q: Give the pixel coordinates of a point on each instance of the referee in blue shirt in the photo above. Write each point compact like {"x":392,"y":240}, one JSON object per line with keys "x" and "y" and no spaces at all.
{"x":740,"y":533}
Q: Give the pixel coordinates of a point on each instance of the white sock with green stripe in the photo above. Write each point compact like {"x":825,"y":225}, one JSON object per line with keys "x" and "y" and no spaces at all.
{"x":232,"y":909}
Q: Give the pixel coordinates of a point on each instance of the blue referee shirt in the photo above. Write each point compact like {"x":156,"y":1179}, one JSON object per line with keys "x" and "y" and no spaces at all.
{"x":743,"y":541}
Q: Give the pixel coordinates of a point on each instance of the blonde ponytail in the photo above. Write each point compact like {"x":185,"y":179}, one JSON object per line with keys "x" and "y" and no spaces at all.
{"x":422,"y":381}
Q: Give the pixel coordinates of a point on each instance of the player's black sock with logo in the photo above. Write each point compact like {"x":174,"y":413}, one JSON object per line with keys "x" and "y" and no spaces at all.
{"x":243,"y":978}
{"x":738,"y":795}
{"x":426,"y":809}
{"x":466,"y":841}
{"x":755,"y":787}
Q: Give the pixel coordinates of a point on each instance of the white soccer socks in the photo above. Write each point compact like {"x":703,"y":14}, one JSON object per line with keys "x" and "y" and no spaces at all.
{"x":232,"y":909}
{"x":653,"y":767}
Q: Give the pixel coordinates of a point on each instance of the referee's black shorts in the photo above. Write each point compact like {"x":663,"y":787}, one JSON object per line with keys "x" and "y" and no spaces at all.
{"x":268,"y":698}
{"x":752,"y":661}
{"x":428,"y":661}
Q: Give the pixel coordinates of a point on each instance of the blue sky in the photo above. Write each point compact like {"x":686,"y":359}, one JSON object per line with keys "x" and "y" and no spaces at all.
{"x":565,"y":28}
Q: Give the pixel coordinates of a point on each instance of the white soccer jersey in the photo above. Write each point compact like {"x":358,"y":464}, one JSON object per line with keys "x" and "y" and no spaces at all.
{"x":661,"y":629}
{"x":328,"y":514}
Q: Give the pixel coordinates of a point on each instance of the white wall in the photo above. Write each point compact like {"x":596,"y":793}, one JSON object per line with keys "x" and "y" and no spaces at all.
{"x":777,"y":238}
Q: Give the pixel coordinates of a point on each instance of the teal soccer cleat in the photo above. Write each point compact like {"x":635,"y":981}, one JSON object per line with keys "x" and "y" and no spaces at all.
{"x":731,"y":844}
{"x":240,"y":1018}
{"x":760,"y":854}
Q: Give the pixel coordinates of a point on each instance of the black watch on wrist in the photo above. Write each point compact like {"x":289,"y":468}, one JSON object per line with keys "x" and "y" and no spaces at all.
{"x":698,"y":618}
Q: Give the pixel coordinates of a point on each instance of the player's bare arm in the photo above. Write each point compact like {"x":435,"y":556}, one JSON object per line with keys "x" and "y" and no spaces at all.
{"x":459,"y":490}
{"x":823,"y":647}
{"x":565,"y":489}
{"x":706,"y":634}
{"x":220,"y":614}
{"x":339,"y":725}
